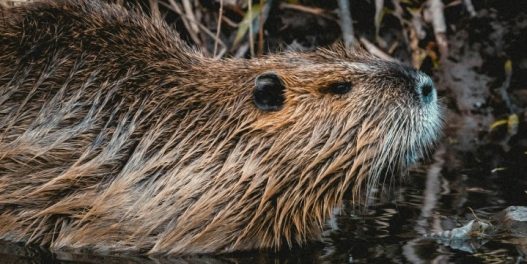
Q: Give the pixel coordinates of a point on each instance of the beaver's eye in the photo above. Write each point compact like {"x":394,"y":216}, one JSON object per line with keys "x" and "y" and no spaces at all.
{"x":339,"y":88}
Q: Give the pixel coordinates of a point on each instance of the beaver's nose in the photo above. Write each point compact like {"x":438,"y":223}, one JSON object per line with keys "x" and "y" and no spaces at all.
{"x":425,"y":88}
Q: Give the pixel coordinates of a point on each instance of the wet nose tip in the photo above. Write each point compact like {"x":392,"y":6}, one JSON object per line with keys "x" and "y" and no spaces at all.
{"x":425,"y":88}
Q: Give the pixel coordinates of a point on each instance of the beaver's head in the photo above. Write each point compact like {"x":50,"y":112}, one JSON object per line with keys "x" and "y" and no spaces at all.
{"x":347,"y":114}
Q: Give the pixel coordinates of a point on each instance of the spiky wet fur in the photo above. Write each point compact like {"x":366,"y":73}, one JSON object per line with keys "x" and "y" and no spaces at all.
{"x":114,"y":136}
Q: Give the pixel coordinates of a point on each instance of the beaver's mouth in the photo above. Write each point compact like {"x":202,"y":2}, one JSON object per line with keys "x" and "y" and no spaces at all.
{"x":413,"y":140}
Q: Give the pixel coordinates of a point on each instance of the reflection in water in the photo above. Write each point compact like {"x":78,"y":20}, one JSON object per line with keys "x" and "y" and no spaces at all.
{"x":392,"y":230}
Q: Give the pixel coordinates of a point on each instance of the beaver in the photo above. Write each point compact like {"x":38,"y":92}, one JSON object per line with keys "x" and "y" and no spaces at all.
{"x":117,"y":136}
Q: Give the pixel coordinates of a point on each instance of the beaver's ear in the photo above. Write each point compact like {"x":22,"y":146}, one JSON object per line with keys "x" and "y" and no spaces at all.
{"x":268,"y":93}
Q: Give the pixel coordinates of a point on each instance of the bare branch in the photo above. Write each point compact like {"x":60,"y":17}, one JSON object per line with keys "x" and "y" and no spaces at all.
{"x":505,"y":86}
{"x":185,"y":18}
{"x":374,"y":50}
{"x":189,"y":12}
{"x":379,"y":5}
{"x":435,"y":11}
{"x":174,"y":6}
{"x":251,"y":37}
{"x":154,"y":9}
{"x":308,"y":9}
{"x":470,"y":8}
{"x":218,"y":28}
{"x":346,"y":23}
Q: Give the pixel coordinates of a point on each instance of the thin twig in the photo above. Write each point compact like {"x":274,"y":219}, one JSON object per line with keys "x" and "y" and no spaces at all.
{"x":229,"y":22}
{"x":470,"y":8}
{"x":417,"y":53}
{"x":258,"y":21}
{"x":188,"y":11}
{"x":173,"y":6}
{"x":241,"y":50}
{"x":453,"y":3}
{"x":154,"y":9}
{"x":185,"y":18}
{"x":307,"y":9}
{"x":435,"y":9}
{"x":398,"y":13}
{"x":379,"y":5}
{"x":251,"y":38}
{"x":14,"y":2}
{"x":346,"y":23}
{"x":218,"y":28}
{"x":374,"y":50}
{"x":392,"y":48}
{"x":260,"y":32}
{"x":505,"y":86}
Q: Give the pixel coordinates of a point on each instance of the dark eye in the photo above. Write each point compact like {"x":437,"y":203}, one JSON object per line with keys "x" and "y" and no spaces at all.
{"x":339,"y":88}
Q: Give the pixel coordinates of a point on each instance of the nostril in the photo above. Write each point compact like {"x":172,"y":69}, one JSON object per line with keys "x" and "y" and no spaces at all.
{"x":426,"y":90}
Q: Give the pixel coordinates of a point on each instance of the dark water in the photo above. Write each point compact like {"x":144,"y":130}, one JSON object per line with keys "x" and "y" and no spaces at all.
{"x":431,"y":199}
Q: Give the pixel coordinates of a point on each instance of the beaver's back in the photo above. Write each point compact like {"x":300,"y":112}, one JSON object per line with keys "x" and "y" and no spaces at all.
{"x":59,"y":75}
{"x":80,"y":85}
{"x":98,"y":106}
{"x":109,"y":32}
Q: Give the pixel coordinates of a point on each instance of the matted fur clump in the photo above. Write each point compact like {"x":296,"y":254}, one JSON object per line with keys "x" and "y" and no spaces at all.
{"x":115,"y":136}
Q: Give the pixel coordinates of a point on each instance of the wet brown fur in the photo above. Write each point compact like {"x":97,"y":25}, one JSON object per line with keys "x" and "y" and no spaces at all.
{"x":114,"y":136}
